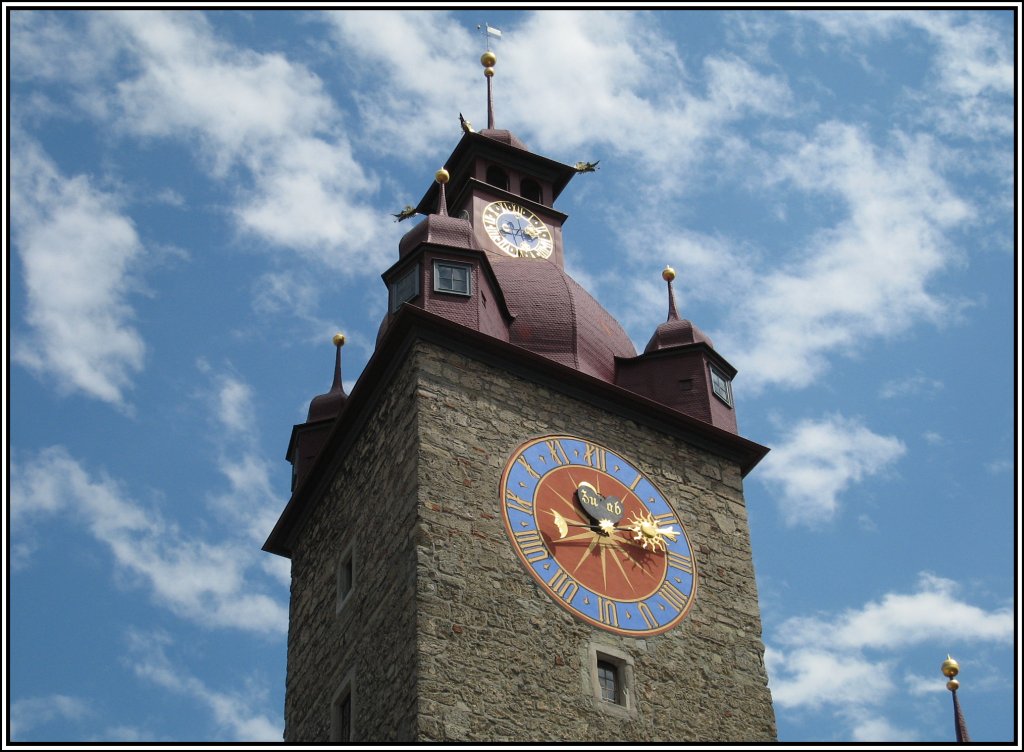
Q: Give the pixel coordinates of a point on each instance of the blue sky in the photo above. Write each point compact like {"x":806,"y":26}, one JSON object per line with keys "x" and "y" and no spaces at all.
{"x":199,"y":200}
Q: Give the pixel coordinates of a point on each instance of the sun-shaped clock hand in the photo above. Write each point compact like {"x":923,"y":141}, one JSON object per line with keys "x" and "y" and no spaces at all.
{"x":646,"y":532}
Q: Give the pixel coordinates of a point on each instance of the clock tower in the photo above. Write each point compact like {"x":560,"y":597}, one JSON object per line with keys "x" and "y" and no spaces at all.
{"x":516,"y":527}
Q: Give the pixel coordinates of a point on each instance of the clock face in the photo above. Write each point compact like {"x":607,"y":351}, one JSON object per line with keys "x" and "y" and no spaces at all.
{"x":517,"y":231}
{"x":598,"y":535}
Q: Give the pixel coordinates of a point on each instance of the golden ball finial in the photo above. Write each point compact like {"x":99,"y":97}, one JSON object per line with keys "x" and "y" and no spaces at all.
{"x":952,"y":685}
{"x":441,"y":176}
{"x":338,"y":339}
{"x":950,"y":668}
{"x":487,"y":60}
{"x":489,"y":72}
{"x":669,"y":274}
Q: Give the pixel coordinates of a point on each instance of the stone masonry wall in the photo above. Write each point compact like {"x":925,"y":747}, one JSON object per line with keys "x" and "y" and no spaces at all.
{"x":370,"y":506}
{"x":446,"y":637}
{"x":498,"y":660}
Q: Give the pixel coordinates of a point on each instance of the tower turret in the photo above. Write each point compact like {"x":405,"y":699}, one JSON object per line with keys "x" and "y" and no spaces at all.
{"x":308,"y":438}
{"x":681,"y":369}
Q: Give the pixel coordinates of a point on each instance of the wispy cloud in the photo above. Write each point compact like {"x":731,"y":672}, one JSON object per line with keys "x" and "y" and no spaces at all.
{"x":257,"y":122}
{"x":848,"y":663}
{"x":867,"y":275}
{"x":971,"y":83}
{"x":909,"y":386}
{"x":206,"y":582}
{"x":235,"y":712}
{"x":78,"y":251}
{"x":249,"y":504}
{"x":630,"y":96}
{"x":33,"y":712}
{"x":817,"y":460}
{"x":399,"y":73}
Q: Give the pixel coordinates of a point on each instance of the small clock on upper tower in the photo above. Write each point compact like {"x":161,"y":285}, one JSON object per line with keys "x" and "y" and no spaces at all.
{"x":516,"y":230}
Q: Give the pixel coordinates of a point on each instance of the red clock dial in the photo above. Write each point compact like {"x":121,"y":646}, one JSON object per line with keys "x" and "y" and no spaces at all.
{"x":598,"y":535}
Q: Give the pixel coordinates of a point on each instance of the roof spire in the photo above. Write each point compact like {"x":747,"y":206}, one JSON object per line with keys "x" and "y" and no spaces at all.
{"x":950,"y":669}
{"x":668,"y":275}
{"x":329,"y":404}
{"x":487,"y":60}
{"x":339,"y":342}
{"x":441,"y":176}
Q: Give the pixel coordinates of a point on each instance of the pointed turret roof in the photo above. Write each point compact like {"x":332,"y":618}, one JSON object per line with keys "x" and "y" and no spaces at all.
{"x":328,"y":405}
{"x":675,"y":331}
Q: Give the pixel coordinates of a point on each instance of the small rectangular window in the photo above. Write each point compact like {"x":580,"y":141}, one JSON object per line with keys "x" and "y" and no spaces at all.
{"x":609,"y":681}
{"x":342,"y":713}
{"x":608,"y":678}
{"x":345,"y":577}
{"x":721,"y":386}
{"x":405,"y":288}
{"x":452,"y":278}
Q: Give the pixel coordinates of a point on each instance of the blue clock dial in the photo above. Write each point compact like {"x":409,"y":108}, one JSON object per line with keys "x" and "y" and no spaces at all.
{"x":598,"y":536}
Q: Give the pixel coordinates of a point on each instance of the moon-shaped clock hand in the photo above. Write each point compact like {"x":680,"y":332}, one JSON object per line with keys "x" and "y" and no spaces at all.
{"x":563,"y":524}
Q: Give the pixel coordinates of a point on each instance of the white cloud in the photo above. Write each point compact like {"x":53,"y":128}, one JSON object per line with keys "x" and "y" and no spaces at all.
{"x":911,"y":386}
{"x":31,"y":712}
{"x":971,"y":84}
{"x":932,"y":613}
{"x":246,"y":114}
{"x":409,"y":88}
{"x":232,"y":711}
{"x":877,"y":728}
{"x":250,"y":504}
{"x":208,"y":583}
{"x":598,"y":102}
{"x":78,"y":252}
{"x":867,"y":276}
{"x":848,"y":664}
{"x":997,"y":467}
{"x":813,"y":678}
{"x":817,"y":460}
{"x":628,"y":92}
{"x":234,"y":404}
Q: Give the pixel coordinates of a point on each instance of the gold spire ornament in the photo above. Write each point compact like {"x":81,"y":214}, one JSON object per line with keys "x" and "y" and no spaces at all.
{"x":669,"y":274}
{"x":487,"y":60}
{"x":950,"y":668}
{"x":442,"y":177}
{"x":338,"y":340}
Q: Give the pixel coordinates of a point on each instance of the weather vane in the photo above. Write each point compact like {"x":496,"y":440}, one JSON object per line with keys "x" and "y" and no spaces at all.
{"x":489,"y":32}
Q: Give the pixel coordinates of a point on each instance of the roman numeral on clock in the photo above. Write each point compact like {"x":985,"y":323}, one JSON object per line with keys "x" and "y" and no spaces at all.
{"x":532,"y":545}
{"x":673,"y":597}
{"x":679,"y":561}
{"x":517,"y":502}
{"x":563,"y":586}
{"x":595,"y":457}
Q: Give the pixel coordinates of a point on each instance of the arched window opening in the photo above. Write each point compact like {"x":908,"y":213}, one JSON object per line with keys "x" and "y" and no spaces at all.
{"x":530,"y":189}
{"x":497,"y":177}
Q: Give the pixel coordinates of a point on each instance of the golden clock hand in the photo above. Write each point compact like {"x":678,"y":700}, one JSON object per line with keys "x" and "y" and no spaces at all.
{"x":563,"y":524}
{"x":648,"y":533}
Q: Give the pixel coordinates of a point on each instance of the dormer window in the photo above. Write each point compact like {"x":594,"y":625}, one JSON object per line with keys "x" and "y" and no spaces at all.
{"x":497,"y":177}
{"x":452,"y":278}
{"x":405,"y":288}
{"x":530,"y":189}
{"x":721,"y":386}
